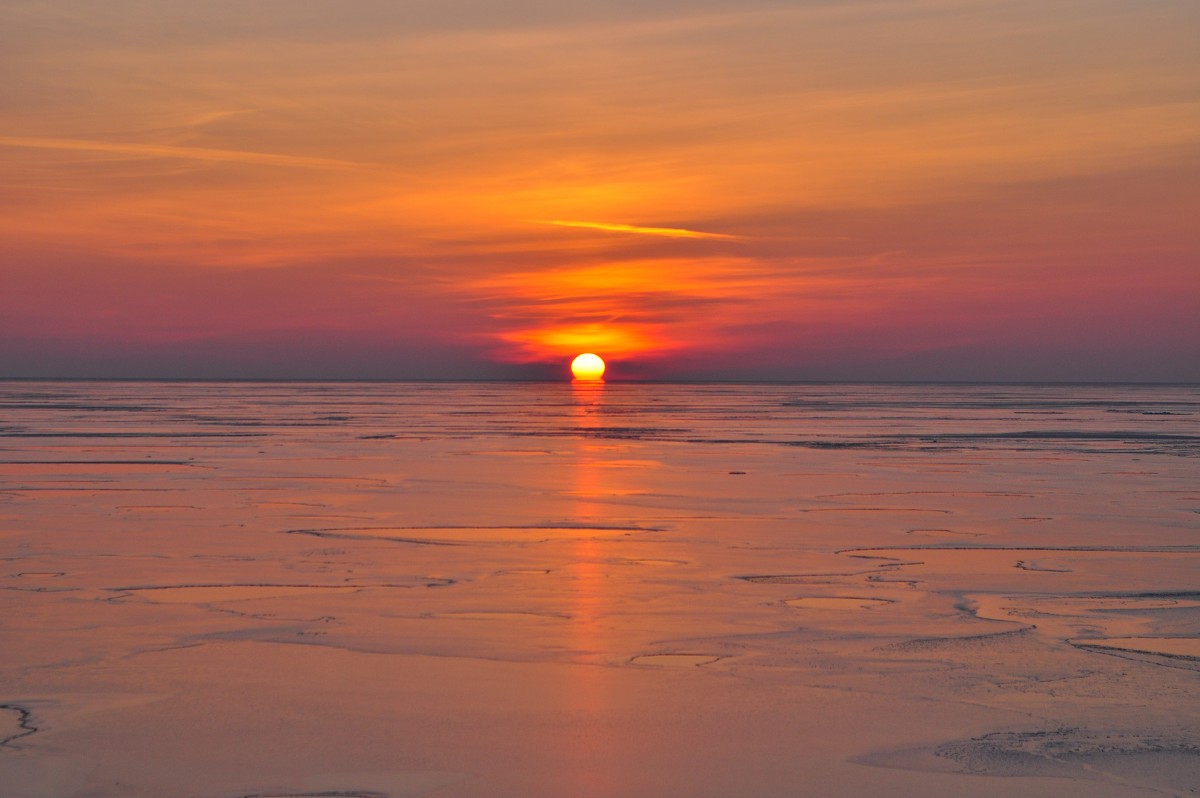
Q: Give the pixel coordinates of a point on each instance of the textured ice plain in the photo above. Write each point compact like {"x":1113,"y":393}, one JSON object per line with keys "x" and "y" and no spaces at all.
{"x":456,"y":589}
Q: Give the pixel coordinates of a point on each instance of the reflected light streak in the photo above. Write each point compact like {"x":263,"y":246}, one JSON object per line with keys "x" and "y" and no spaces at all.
{"x":584,"y":748}
{"x":587,"y":400}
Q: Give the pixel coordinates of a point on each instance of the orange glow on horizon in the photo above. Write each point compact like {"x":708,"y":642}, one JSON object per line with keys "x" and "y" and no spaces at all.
{"x":617,"y":307}
{"x":545,"y":344}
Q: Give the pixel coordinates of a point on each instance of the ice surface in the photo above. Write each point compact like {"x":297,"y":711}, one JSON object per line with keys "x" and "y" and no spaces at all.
{"x":480,"y":589}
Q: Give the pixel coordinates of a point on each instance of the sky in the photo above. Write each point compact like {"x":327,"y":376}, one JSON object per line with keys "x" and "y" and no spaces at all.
{"x":693,"y":189}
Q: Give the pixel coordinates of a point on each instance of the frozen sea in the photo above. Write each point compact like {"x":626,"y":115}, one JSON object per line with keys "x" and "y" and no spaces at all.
{"x":384,"y":589}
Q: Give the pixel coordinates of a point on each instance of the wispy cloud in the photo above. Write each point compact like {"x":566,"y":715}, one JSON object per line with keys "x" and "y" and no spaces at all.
{"x":668,"y":232}
{"x":172,"y":151}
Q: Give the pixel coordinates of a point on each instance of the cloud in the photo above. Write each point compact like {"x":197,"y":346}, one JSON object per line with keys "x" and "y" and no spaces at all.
{"x":668,"y":232}
{"x":171,"y":151}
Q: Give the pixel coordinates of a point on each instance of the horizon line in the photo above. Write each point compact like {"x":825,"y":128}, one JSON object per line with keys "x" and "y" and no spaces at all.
{"x":628,"y":381}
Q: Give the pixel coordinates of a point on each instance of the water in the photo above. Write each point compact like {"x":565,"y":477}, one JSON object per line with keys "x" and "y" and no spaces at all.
{"x":234,"y":589}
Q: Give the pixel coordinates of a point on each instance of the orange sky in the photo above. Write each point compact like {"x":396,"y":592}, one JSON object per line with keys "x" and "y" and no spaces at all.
{"x":907,"y":189}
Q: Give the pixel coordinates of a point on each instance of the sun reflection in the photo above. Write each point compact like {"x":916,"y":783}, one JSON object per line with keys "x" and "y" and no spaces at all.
{"x":590,"y":696}
{"x":587,"y":397}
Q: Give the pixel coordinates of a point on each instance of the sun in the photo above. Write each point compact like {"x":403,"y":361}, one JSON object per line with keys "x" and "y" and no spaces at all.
{"x":588,"y":367}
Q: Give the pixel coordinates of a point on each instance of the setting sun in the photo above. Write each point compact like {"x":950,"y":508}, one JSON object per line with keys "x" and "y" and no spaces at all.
{"x":587,"y":367}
